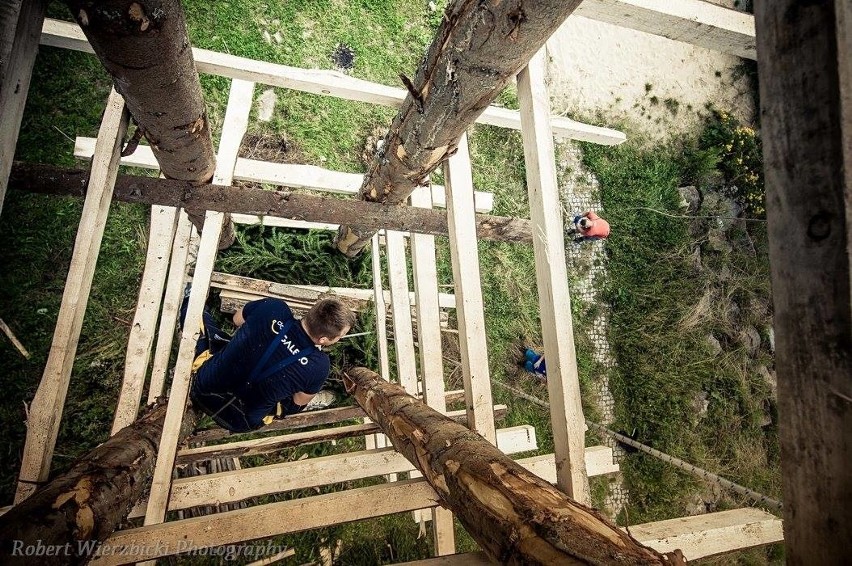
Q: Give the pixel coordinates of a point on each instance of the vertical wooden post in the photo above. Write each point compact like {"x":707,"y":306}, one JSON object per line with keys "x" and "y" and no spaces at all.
{"x":160,"y":237}
{"x":465,"y":259}
{"x":20,"y":30}
{"x":563,"y":384}
{"x":403,"y":335}
{"x":805,"y":96}
{"x":430,"y":351}
{"x":49,"y":400}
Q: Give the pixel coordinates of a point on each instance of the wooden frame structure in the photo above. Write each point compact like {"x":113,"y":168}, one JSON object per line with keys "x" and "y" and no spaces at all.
{"x":166,"y":273}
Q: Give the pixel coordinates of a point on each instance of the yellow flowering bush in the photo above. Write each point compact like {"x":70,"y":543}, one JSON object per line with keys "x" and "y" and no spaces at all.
{"x":740,"y":160}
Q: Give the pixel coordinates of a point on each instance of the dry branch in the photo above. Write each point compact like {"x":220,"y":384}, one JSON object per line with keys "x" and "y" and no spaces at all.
{"x":515,"y":516}
{"x":478,"y":49}
{"x":148,"y":190}
{"x":90,"y":500}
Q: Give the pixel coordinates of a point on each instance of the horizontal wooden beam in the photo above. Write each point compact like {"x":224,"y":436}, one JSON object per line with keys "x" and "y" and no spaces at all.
{"x":328,"y":83}
{"x":692,"y":21}
{"x":292,"y":175}
{"x":222,"y":198}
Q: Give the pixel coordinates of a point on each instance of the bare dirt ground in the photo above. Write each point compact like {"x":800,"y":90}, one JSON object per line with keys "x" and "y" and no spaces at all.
{"x":656,"y":86}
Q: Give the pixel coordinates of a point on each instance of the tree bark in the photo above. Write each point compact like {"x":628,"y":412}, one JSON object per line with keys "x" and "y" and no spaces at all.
{"x":515,"y":516}
{"x":90,"y":500}
{"x":148,"y":190}
{"x":478,"y":49}
{"x":805,"y":65}
{"x":143,"y":44}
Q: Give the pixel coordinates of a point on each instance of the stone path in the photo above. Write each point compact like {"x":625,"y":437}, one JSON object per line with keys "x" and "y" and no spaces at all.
{"x":587,"y":266}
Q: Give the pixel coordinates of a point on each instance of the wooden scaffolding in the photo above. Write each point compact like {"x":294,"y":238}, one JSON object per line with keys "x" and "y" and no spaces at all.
{"x":166,"y":272}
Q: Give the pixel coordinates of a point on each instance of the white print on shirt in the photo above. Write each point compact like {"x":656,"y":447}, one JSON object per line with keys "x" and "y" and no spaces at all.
{"x":287,"y":342}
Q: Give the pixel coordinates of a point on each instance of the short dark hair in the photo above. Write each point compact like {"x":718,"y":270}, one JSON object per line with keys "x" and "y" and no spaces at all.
{"x":329,"y":317}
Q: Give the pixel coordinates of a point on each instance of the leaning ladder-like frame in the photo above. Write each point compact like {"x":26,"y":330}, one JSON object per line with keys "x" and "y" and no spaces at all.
{"x":170,"y":236}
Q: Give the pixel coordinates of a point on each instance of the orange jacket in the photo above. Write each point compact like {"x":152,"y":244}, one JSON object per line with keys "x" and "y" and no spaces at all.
{"x":599,"y":227}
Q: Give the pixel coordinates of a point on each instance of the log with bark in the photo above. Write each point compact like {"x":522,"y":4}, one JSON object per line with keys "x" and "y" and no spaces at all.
{"x":89,"y":501}
{"x":515,"y":516}
{"x":144,"y":46}
{"x":149,"y":190}
{"x":478,"y":49}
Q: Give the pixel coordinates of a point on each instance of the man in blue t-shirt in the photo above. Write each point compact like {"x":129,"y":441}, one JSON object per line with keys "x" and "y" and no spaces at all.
{"x":273,"y":365}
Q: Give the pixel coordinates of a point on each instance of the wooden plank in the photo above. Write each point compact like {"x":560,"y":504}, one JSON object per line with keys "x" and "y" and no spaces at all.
{"x":291,"y":175}
{"x":20,"y":27}
{"x":171,"y":305}
{"x":806,"y":124}
{"x":563,"y":382}
{"x":379,"y":300}
{"x":161,"y":236}
{"x":282,"y":222}
{"x":328,"y":83}
{"x":714,"y":533}
{"x":403,"y":332}
{"x":230,"y":486}
{"x":46,"y":408}
{"x":692,"y":21}
{"x":266,"y":520}
{"x":235,"y":124}
{"x":270,"y":444}
{"x":430,"y":352}
{"x":469,"y":309}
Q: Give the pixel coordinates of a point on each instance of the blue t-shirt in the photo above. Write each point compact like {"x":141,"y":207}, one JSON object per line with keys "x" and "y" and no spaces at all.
{"x":229,"y":370}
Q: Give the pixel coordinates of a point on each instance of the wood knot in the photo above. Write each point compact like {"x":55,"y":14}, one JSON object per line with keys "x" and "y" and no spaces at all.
{"x":819,"y":227}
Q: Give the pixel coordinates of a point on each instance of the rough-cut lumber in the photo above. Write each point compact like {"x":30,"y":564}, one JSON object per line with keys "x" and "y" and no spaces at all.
{"x":403,"y":332}
{"x":291,"y":175}
{"x":329,"y":83}
{"x":266,"y":520}
{"x":49,"y":400}
{"x":806,"y":120}
{"x":692,"y":21}
{"x":90,"y":500}
{"x":563,"y":381}
{"x":141,"y":339}
{"x":464,"y":256}
{"x":220,"y":198}
{"x":515,"y":516}
{"x":20,"y":29}
{"x":478,"y":49}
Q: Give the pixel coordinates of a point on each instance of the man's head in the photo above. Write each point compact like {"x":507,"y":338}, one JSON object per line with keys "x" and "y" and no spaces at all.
{"x":585,"y":223}
{"x":328,"y":321}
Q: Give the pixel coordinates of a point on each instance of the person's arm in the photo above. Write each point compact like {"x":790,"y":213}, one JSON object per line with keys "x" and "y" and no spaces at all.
{"x":591,"y":215}
{"x":302,"y":398}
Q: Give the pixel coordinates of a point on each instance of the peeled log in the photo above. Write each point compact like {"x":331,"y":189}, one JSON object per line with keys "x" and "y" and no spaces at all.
{"x":479,"y":48}
{"x":89,"y":501}
{"x":144,"y":46}
{"x":515,"y":516}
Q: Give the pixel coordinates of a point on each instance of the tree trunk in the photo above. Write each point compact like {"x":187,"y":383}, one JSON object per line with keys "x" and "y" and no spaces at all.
{"x":89,"y":501}
{"x":478,"y":49}
{"x":515,"y":516}
{"x":148,"y":190}
{"x":144,"y":46}
{"x":805,"y":69}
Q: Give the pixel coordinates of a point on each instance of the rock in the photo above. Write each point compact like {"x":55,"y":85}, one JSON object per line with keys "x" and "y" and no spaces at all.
{"x":700,"y":403}
{"x":749,"y":337}
{"x":717,"y":241}
{"x":770,"y":379}
{"x":690,"y":199}
{"x":724,"y":209}
{"x":714,"y":345}
{"x":695,"y":506}
{"x":770,"y":335}
{"x":266,"y":105}
{"x":696,"y":260}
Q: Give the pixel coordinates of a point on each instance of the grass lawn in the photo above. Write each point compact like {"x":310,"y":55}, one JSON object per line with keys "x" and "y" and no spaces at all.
{"x":652,"y":287}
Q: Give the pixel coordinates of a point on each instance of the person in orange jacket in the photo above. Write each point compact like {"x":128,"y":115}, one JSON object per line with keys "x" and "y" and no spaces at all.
{"x":588,"y":227}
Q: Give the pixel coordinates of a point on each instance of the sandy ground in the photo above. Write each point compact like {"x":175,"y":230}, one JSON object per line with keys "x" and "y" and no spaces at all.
{"x":607,"y":75}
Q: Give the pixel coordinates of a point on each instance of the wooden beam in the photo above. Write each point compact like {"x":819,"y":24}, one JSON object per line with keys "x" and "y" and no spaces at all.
{"x":563,"y":382}
{"x":329,"y":83}
{"x":265,"y":520}
{"x":171,"y":306}
{"x":469,"y":307}
{"x":20,"y":29}
{"x":47,"y":405}
{"x":235,"y":124}
{"x":221,"y":198}
{"x":806,"y":121}
{"x":139,"y":343}
{"x":403,"y":332}
{"x":692,"y":21}
{"x":506,"y":509}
